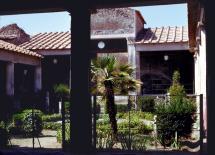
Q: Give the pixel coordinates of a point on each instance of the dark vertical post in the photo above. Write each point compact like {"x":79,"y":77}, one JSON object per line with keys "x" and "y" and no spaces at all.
{"x":33,"y":126}
{"x":80,"y":111}
{"x":93,"y":55}
{"x":94,"y":121}
{"x":210,"y":74}
{"x":201,"y":122}
{"x":129,"y":122}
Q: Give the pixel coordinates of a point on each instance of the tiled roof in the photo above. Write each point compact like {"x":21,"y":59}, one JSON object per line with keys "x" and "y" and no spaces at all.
{"x":14,"y":48}
{"x":62,"y":40}
{"x":163,"y":35}
{"x":52,"y":40}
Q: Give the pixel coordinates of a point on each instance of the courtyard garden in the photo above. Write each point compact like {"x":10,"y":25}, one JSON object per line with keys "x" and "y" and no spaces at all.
{"x":18,"y":128}
{"x":140,"y":122}
{"x":122,"y":121}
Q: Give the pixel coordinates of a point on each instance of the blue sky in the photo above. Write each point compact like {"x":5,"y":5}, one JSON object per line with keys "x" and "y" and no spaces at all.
{"x":167,"y":15}
{"x":163,"y":15}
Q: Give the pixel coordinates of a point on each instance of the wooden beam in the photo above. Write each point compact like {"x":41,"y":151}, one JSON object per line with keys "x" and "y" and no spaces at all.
{"x":54,"y":52}
{"x":112,"y":36}
{"x":162,"y":47}
{"x":132,"y":3}
{"x":39,"y":6}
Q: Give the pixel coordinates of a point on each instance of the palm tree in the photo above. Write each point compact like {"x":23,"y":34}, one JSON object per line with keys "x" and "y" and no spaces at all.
{"x":112,"y":78}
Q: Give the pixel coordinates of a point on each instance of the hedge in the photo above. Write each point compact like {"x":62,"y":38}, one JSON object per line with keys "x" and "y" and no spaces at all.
{"x":22,"y":122}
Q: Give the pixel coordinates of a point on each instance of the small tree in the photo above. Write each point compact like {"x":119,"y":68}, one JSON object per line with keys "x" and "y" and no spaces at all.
{"x":62,"y":91}
{"x":111,"y":77}
{"x":175,"y":114}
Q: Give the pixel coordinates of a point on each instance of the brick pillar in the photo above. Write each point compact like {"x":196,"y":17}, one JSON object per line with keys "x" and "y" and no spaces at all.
{"x":38,"y":78}
{"x":10,"y":79}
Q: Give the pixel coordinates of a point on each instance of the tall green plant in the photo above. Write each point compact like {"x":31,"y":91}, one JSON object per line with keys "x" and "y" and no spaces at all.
{"x":176,"y":114}
{"x":61,"y":90}
{"x":111,"y":77}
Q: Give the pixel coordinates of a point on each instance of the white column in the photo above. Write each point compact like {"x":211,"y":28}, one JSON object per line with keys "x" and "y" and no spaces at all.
{"x":38,"y":78}
{"x":203,"y":68}
{"x":134,"y":60}
{"x":10,"y":78}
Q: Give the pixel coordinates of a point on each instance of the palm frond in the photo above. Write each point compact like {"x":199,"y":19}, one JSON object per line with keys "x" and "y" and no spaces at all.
{"x":108,"y":69}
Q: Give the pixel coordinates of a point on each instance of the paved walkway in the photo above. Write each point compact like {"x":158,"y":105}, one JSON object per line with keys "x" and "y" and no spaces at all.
{"x":48,"y":140}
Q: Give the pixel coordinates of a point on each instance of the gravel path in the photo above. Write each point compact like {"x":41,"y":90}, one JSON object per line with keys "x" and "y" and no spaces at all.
{"x":47,"y":140}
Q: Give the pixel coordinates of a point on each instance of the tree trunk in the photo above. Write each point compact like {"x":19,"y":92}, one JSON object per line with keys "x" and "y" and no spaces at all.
{"x":111,"y":106}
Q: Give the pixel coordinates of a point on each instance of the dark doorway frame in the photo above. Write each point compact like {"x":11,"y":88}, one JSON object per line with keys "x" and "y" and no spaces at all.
{"x":80,"y":81}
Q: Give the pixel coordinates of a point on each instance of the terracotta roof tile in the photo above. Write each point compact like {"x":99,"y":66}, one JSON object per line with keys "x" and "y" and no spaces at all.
{"x":62,"y":40}
{"x":51,"y":40}
{"x":162,"y":35}
{"x":14,"y":48}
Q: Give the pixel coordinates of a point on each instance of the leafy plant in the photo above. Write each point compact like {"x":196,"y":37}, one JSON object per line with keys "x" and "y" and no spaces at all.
{"x":146,"y":103}
{"x":67,"y":107}
{"x":136,"y":114}
{"x":23,"y":122}
{"x":110,"y":78}
{"x":176,"y":114}
{"x":51,"y":118}
{"x":67,"y":133}
{"x":3,"y":135}
{"x":61,"y":89}
{"x":52,"y":125}
{"x":122,"y":108}
{"x":32,"y":122}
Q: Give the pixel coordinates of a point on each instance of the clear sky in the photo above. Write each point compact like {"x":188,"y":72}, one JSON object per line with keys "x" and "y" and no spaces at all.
{"x":163,"y":15}
{"x":167,"y":15}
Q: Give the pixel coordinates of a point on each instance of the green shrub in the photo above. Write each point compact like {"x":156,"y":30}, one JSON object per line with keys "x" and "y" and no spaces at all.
{"x":146,"y":103}
{"x":137,"y":131}
{"x":67,"y":133}
{"x":122,"y":108}
{"x":148,"y":116}
{"x":137,"y":114}
{"x":119,"y":107}
{"x":23,"y":122}
{"x":18,"y":120}
{"x":105,"y":119}
{"x":28,"y":122}
{"x":3,"y":136}
{"x":51,"y":118}
{"x":67,"y":107}
{"x":120,"y":115}
{"x":51,"y":125}
{"x":98,"y":109}
{"x":175,"y":115}
{"x":136,"y":126}
{"x":62,"y":90}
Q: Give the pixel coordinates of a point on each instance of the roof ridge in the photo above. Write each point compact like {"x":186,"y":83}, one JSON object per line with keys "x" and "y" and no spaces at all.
{"x":185,"y":26}
{"x":50,"y":32}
